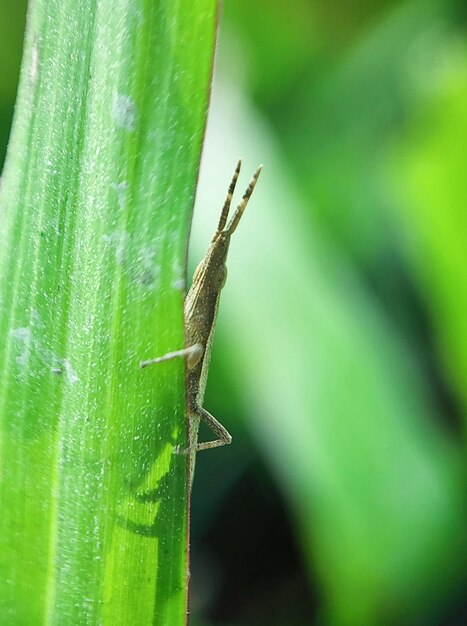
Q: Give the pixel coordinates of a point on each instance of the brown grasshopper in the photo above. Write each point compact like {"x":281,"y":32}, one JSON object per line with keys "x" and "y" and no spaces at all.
{"x":200,"y":313}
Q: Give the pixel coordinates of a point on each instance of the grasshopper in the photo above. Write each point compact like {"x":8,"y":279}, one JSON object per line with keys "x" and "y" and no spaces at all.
{"x":200,"y":314}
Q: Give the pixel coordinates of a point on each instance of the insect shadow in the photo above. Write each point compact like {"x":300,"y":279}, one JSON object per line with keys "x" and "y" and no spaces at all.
{"x":160,"y":492}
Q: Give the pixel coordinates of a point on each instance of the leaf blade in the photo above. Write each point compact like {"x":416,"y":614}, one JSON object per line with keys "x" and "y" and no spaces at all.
{"x":103,"y":162}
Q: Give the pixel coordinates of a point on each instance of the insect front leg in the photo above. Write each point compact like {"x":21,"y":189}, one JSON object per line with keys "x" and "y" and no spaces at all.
{"x":192,"y":353}
{"x":224,"y":437}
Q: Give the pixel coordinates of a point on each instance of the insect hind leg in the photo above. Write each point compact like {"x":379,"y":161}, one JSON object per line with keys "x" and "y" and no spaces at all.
{"x":223,"y":436}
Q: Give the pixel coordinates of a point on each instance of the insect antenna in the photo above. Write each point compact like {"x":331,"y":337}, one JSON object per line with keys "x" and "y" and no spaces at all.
{"x":241,"y":207}
{"x":228,"y":200}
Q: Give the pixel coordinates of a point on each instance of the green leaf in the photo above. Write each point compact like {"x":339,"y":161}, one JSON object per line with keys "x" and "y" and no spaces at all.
{"x":431,"y":190}
{"x":337,"y":402}
{"x":96,"y":200}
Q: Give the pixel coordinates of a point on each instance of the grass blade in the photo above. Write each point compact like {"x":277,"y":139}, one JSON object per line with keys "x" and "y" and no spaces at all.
{"x":96,"y":199}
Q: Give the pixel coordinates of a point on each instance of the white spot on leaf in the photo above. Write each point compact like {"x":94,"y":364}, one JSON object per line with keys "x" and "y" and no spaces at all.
{"x":119,"y":240}
{"x":34,"y":67}
{"x":121,"y":189}
{"x":179,"y":284}
{"x":124,"y":112}
{"x":147,"y":269}
{"x":23,"y":337}
{"x":28,"y":346}
{"x":70,"y":373}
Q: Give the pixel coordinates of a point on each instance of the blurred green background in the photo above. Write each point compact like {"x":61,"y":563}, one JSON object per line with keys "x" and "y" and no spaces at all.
{"x":340,"y":358}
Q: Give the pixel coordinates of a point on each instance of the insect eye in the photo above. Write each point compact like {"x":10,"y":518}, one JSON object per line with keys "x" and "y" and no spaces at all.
{"x":220,"y":277}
